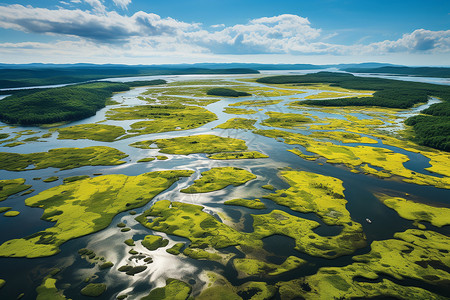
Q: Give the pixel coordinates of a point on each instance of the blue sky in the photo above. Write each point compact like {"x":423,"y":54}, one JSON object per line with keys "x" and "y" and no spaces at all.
{"x":153,"y":32}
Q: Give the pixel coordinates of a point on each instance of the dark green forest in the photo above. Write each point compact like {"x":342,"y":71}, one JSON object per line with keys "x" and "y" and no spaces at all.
{"x":431,"y":129}
{"x":61,"y":104}
{"x":226,"y":92}
{"x":27,"y":77}
{"x":398,"y":70}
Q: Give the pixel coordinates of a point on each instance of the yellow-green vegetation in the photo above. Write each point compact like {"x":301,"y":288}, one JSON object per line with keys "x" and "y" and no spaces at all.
{"x":162,"y":157}
{"x":238,"y":155}
{"x":342,"y":136}
{"x":3,"y":209}
{"x":226,"y":92}
{"x":153,"y":242}
{"x":85,"y":206}
{"x":96,"y":132}
{"x":47,"y":290}
{"x":162,"y":118}
{"x":416,"y":254}
{"x":219,"y":178}
{"x":12,"y":186}
{"x":239,"y":111}
{"x":75,"y":178}
{"x":62,"y":158}
{"x":146,"y":159}
{"x":238,"y":123}
{"x":268,"y":187}
{"x":93,"y":289}
{"x":106,"y":265}
{"x":285,"y":120}
{"x":254,"y":203}
{"x":205,"y":143}
{"x":175,"y":249}
{"x":389,"y":161}
{"x":218,"y":287}
{"x":189,"y":221}
{"x":129,"y":242}
{"x":10,"y":145}
{"x":410,"y":210}
{"x":173,"y":290}
{"x":327,"y":95}
{"x":2,"y":283}
{"x":11,"y":213}
{"x":51,"y":179}
{"x":255,"y":267}
{"x":256,"y":103}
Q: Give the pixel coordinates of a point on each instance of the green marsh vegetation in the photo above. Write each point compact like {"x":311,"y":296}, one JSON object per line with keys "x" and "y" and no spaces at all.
{"x":205,"y":143}
{"x":62,"y":158}
{"x":153,"y":242}
{"x":93,"y":289}
{"x":238,"y":123}
{"x":239,"y":111}
{"x":219,"y":178}
{"x":12,"y":186}
{"x":227,"y":92}
{"x":173,"y":290}
{"x":85,"y":206}
{"x":285,"y":120}
{"x":253,"y":203}
{"x":96,"y":132}
{"x":256,"y":103}
{"x":431,"y":129}
{"x":238,"y":155}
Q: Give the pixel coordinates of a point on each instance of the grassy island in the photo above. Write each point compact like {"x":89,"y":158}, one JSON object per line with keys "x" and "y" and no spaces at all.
{"x":153,"y":242}
{"x":226,"y":92}
{"x":62,"y":158}
{"x":173,"y":290}
{"x":238,"y":155}
{"x":205,"y":143}
{"x":219,"y":178}
{"x":96,"y":132}
{"x":238,"y":123}
{"x":85,"y":206}
{"x":12,"y":186}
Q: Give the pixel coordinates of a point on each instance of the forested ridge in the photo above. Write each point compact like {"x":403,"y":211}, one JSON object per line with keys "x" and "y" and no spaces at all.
{"x":61,"y":104}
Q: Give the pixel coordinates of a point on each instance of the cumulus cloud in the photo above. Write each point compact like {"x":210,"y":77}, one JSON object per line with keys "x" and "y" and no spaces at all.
{"x":122,"y":3}
{"x":145,"y":33}
{"x":420,"y":40}
{"x":101,"y":27}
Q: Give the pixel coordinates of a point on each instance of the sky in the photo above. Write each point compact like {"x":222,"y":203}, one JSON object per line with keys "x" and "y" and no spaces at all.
{"x":414,"y":32}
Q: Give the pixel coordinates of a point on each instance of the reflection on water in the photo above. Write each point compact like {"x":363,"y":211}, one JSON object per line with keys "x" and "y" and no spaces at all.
{"x":23,"y":275}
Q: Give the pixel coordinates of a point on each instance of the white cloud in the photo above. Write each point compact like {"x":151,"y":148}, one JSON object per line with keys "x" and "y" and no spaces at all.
{"x":122,"y":3}
{"x":108,"y":33}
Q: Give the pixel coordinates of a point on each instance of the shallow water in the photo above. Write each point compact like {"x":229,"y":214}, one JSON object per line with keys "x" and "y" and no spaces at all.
{"x":24,"y":275}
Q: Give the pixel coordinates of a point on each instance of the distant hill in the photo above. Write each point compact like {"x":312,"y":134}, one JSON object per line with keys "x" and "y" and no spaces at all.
{"x":14,"y":76}
{"x":398,"y":70}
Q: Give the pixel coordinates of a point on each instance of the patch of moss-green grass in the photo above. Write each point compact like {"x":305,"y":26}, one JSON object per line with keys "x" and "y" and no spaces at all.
{"x":410,"y":210}
{"x":12,"y":186}
{"x":285,"y":120}
{"x":130,"y":270}
{"x":15,"y":144}
{"x":47,"y":290}
{"x":2,"y":283}
{"x":147,"y":159}
{"x":175,"y":249}
{"x":257,"y":290}
{"x":219,"y":178}
{"x":3,"y":209}
{"x":255,"y":267}
{"x":96,"y":132}
{"x":153,"y":242}
{"x":268,"y":187}
{"x":256,"y":103}
{"x":27,"y":192}
{"x":93,"y":289}
{"x":3,"y":136}
{"x":129,"y":242}
{"x":51,"y":179}
{"x":238,"y":123}
{"x":162,"y":118}
{"x":125,"y":229}
{"x":162,"y":157}
{"x":121,"y":225}
{"x":62,"y":158}
{"x":205,"y":143}
{"x":254,"y":203}
{"x":173,"y":290}
{"x":106,"y":265}
{"x":82,"y":207}
{"x":239,"y":111}
{"x":75,"y":178}
{"x":238,"y":155}
{"x":11,"y":213}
